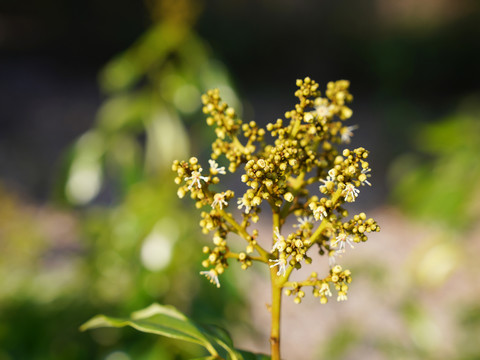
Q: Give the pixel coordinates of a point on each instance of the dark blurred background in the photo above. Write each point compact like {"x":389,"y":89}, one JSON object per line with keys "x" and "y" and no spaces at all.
{"x":91,"y":91}
{"x":407,"y":61}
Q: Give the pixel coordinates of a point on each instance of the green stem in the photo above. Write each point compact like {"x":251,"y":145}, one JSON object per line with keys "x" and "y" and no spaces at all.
{"x":277,"y":283}
{"x":324,"y":222}
{"x":275,"y":310}
{"x":243,"y":233}
{"x":232,"y":255}
{"x":296,"y":127}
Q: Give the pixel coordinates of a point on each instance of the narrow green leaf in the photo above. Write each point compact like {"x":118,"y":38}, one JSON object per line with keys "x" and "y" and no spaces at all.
{"x":157,"y":319}
{"x":247,"y":355}
{"x":141,"y":325}
{"x":168,"y":321}
{"x":219,"y":333}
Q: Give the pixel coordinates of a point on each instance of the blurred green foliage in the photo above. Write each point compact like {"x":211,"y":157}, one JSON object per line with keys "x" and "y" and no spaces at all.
{"x":441,"y":183}
{"x":166,"y":320}
{"x":128,"y":241}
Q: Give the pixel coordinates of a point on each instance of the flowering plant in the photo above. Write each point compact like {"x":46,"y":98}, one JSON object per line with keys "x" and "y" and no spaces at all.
{"x":281,"y":174}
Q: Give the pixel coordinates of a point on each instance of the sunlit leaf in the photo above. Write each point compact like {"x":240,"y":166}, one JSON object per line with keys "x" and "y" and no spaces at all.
{"x":156,"y":319}
{"x":168,"y":321}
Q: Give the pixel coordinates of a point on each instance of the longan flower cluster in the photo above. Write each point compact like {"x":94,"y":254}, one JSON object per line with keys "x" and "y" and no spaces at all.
{"x":227,"y":128}
{"x":337,"y":277}
{"x":303,"y":152}
{"x":293,"y":249}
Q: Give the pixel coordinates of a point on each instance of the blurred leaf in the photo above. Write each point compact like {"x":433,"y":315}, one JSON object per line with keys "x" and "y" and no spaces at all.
{"x":442,"y":188}
{"x":340,"y":342}
{"x":152,"y":48}
{"x":156,"y":319}
{"x":166,"y":140}
{"x":168,"y":321}
{"x":251,"y":356}
{"x":433,"y":262}
{"x":124,"y":112}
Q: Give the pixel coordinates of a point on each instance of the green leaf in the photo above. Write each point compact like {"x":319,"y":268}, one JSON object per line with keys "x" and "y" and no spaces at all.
{"x":246,"y":355}
{"x":168,"y":321}
{"x":160,"y":320}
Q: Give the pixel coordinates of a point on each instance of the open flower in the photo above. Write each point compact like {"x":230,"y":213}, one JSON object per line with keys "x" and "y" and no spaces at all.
{"x":320,"y":213}
{"x":219,"y":200}
{"x":346,"y":133}
{"x":325,"y":289}
{"x":280,"y":243}
{"x":341,"y":240}
{"x":332,"y":260}
{"x":211,"y":275}
{"x":281,"y":263}
{"x":304,"y":221}
{"x":364,"y":176}
{"x":214,"y":169}
{"x":351,"y":192}
{"x":242,"y":202}
{"x":323,"y":110}
{"x":195,"y":178}
{"x":331,"y":177}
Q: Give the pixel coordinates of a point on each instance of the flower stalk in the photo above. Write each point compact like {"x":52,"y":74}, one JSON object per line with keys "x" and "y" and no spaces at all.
{"x":275,"y":311}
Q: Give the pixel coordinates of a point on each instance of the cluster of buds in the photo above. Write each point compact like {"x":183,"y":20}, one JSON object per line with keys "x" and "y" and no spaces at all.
{"x":303,"y":152}
{"x":338,"y":278}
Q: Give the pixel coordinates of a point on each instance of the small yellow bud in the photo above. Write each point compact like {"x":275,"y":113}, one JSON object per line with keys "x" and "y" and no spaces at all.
{"x":346,"y":113}
{"x":212,"y":257}
{"x":193,"y":160}
{"x":289,"y":196}
{"x":338,"y":160}
{"x":181,"y":193}
{"x":308,"y":117}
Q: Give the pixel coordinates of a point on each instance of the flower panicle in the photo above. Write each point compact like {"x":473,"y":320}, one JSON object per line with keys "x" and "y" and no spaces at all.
{"x":279,"y":175}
